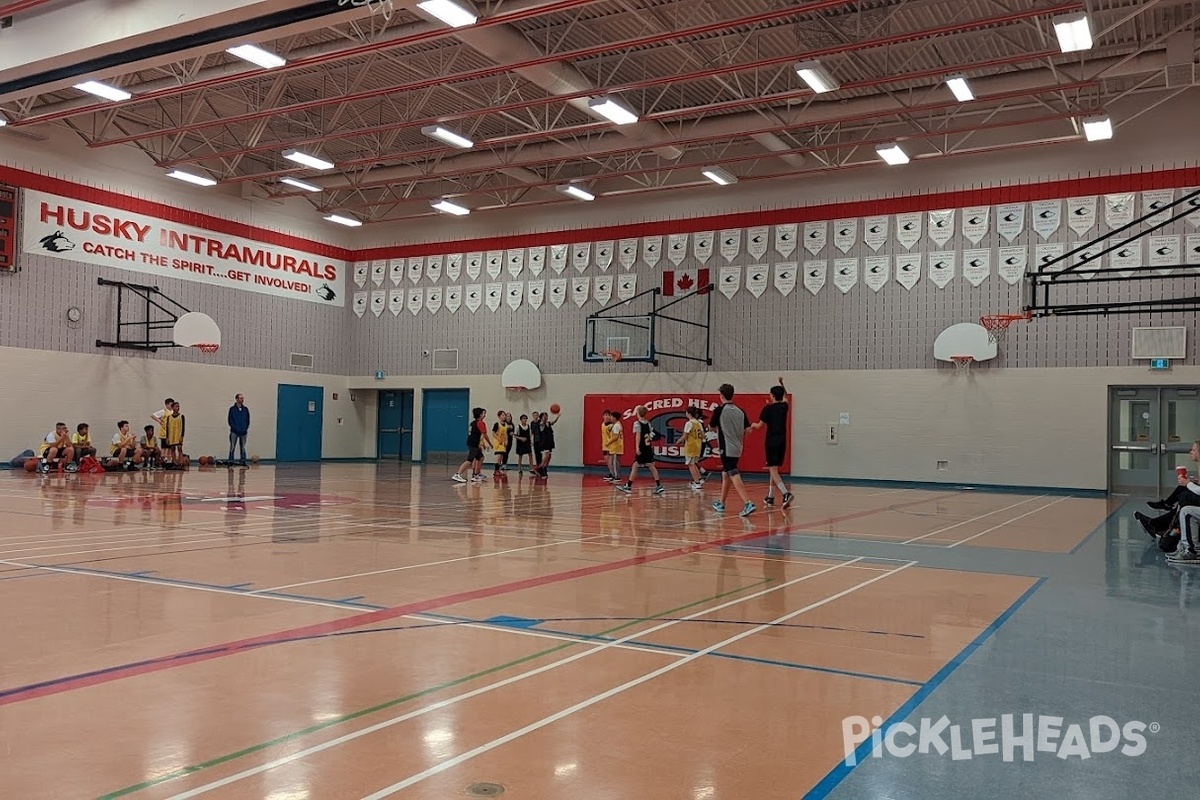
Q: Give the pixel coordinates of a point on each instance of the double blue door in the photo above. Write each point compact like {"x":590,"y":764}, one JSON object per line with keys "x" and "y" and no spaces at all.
{"x":299,"y":414}
{"x":395,"y":425}
{"x":444,"y":414}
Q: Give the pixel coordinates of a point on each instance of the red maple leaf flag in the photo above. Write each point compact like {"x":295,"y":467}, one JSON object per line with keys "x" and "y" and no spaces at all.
{"x":685,"y":281}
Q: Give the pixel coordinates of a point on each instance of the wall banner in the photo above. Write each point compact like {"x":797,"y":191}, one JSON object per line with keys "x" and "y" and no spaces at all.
{"x":86,"y":233}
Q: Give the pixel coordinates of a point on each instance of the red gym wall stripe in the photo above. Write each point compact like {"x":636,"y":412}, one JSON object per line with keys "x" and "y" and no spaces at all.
{"x":1077,"y":187}
{"x":89,"y":194}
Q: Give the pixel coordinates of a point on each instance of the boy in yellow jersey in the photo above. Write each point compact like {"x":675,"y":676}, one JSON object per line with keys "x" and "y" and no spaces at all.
{"x":81,"y":440}
{"x":501,"y":439}
{"x":124,"y":444}
{"x":693,"y":445}
{"x":176,"y":426}
{"x":612,"y":439}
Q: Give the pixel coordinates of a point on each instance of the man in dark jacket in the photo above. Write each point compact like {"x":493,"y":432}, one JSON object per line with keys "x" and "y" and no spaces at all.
{"x":239,"y":426}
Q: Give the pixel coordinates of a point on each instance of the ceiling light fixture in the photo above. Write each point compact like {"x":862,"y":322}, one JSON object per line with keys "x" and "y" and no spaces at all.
{"x":718,"y":176}
{"x":960,"y":88}
{"x":612,"y":110}
{"x":188,"y":177}
{"x":3,"y":122}
{"x":452,"y":13}
{"x":448,"y":136}
{"x":1074,"y":32}
{"x":256,"y":55}
{"x":1097,"y":128}
{"x":576,"y":191}
{"x":448,"y":207}
{"x":816,"y":76}
{"x":299,"y":184}
{"x":349,"y":222}
{"x":892,"y":153}
{"x":103,"y":90}
{"x":307,"y":160}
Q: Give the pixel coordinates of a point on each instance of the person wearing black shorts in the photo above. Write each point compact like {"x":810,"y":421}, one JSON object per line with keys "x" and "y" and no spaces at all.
{"x":524,"y":449}
{"x":643,"y":436}
{"x":731,"y":425}
{"x":545,"y":444}
{"x":775,"y":417}
{"x":477,"y":438}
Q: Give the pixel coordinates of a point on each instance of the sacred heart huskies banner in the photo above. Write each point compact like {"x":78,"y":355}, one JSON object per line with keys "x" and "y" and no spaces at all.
{"x":668,"y":414}
{"x":86,"y":233}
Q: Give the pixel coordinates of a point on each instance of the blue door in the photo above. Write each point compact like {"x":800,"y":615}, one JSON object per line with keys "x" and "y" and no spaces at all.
{"x":444,"y":424}
{"x":298,"y":423}
{"x":395,"y":425}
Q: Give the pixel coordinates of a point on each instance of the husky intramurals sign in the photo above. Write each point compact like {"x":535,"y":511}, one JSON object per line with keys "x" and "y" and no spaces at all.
{"x":668,"y":414}
{"x":93,"y":234}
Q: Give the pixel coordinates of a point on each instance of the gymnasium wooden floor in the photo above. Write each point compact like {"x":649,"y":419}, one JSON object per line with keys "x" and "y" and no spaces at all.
{"x":353,"y":631}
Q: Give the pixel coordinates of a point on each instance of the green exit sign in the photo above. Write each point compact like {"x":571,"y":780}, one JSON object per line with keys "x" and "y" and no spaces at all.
{"x":379,"y":375}
{"x":1160,"y":363}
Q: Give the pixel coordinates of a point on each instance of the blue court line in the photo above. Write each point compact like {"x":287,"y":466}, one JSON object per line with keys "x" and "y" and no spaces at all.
{"x":842,"y":770}
{"x":509,"y":622}
{"x":1103,"y":525}
{"x":236,"y":589}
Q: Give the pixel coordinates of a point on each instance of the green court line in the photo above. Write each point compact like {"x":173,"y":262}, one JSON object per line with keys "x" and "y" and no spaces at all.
{"x":213,"y":762}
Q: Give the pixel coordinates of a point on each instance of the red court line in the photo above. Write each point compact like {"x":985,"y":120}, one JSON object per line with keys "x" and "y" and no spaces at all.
{"x":71,"y":683}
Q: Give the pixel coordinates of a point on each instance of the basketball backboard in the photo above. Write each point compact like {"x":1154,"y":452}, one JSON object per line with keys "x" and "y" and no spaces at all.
{"x":968,"y":339}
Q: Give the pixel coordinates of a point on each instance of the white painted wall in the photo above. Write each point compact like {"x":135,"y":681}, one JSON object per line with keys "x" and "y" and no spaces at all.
{"x":43,"y":387}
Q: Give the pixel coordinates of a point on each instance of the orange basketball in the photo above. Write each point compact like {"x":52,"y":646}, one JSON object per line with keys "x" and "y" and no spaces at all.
{"x":555,"y":408}
{"x":31,"y":465}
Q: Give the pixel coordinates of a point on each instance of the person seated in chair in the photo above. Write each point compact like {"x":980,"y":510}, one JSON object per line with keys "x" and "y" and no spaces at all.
{"x":57,"y":447}
{"x":81,"y":440}
{"x":1163,"y":526}
{"x":124,"y":444}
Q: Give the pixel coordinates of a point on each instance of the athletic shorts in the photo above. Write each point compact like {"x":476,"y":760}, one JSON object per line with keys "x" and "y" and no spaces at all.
{"x":474,"y":453}
{"x":162,"y":442}
{"x":775,"y":453}
{"x":730,"y":464}
{"x":691,"y":460}
{"x":645,"y":457}
{"x":523,"y":448}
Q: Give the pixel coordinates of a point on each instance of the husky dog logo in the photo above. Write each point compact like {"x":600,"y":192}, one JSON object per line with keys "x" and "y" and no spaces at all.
{"x":57,"y":243}
{"x":325,"y":293}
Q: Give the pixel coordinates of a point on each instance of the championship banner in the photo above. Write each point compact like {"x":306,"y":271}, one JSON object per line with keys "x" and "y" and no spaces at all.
{"x":604,"y":255}
{"x":396,"y":270}
{"x":433,"y":269}
{"x":677,"y":248}
{"x":1010,"y":220}
{"x":581,"y":254}
{"x":516,"y":261}
{"x":87,"y":233}
{"x":378,"y":271}
{"x":667,"y":414}
{"x":416,"y":268}
{"x":875,"y":232}
{"x":1081,"y":214}
{"x":785,"y":239}
{"x":395,"y":301}
{"x":360,"y":274}
{"x":845,"y":234}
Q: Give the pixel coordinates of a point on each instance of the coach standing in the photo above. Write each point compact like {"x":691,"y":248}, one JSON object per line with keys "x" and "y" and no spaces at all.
{"x":239,"y":426}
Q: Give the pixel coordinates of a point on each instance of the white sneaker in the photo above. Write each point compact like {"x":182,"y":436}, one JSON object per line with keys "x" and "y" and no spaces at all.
{"x":458,"y":478}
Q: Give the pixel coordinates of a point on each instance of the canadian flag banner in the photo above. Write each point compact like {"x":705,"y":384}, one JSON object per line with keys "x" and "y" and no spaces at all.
{"x":684,"y":281}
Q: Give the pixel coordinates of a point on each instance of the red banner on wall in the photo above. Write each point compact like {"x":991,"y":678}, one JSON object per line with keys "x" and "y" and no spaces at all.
{"x":668,"y":414}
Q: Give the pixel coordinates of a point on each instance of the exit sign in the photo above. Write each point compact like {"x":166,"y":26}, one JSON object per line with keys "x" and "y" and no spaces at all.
{"x":1160,"y":363}
{"x":379,"y":375}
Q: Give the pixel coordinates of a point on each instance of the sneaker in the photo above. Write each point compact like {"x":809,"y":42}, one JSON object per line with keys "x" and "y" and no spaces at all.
{"x":659,"y":489}
{"x":1181,"y":554}
{"x":478,"y":478}
{"x":623,"y":487}
{"x":1146,"y":524}
{"x":719,"y":507}
{"x":787,"y":499}
{"x":459,"y":478}
{"x":1159,"y":505}
{"x":747,"y":510}
{"x":769,"y":500}
{"x":72,"y":468}
{"x":610,"y":479}
{"x":697,"y":485}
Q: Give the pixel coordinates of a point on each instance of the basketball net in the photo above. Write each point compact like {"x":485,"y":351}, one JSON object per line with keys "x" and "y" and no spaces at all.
{"x":962,"y":363}
{"x":207,"y":349}
{"x":611,"y":356}
{"x":997,"y":324}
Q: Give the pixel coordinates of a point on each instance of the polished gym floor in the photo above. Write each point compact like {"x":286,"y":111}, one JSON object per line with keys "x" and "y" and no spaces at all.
{"x":354,"y":631}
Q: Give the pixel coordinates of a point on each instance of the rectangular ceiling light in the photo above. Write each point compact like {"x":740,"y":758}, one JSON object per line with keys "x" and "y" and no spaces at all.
{"x":1097,"y":129}
{"x":612,"y":110}
{"x":960,"y":88}
{"x":349,"y":222}
{"x":1074,"y":32}
{"x":256,"y":55}
{"x":816,"y":76}
{"x":3,"y":122}
{"x":576,"y":191}
{"x":718,"y":176}
{"x":307,"y":160}
{"x":448,"y":207}
{"x":103,"y":90}
{"x":180,"y":175}
{"x":892,"y":154}
{"x":454,"y":14}
{"x":307,"y":187}
{"x":448,"y":136}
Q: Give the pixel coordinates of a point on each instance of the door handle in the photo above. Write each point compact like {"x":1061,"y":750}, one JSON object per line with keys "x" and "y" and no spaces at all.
{"x":1134,"y":448}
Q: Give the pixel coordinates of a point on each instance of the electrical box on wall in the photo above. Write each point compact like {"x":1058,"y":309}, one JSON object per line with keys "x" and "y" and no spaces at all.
{"x":8,"y":228}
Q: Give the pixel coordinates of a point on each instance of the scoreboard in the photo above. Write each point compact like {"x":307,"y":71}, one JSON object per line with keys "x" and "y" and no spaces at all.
{"x":8,"y":228}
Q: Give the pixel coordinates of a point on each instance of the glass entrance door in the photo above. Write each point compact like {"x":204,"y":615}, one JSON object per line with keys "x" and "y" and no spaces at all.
{"x":1151,"y":430}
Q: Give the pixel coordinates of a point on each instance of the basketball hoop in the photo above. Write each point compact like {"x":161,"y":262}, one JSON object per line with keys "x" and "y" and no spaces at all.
{"x":611,"y":355}
{"x":997,"y":324}
{"x":962,"y":363}
{"x":207,"y":349}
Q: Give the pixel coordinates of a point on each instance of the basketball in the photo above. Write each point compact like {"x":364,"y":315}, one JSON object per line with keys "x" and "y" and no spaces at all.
{"x":31,"y":465}
{"x":254,"y":459}
{"x":555,"y":408}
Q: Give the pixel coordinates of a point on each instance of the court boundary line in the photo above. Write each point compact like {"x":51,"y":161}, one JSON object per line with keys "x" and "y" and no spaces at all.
{"x":352,"y":735}
{"x":546,"y":721}
{"x":1008,"y":522}
{"x":171,"y":661}
{"x":972,"y":519}
{"x":841,"y":770}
